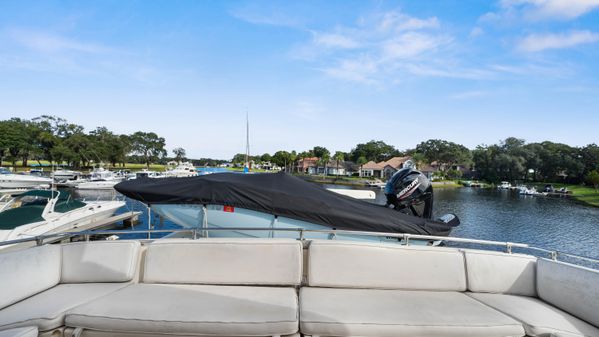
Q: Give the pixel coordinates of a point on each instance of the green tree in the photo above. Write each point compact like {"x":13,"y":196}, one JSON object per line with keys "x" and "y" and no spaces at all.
{"x":593,"y":178}
{"x":265,"y":157}
{"x":179,"y":153}
{"x":148,"y":145}
{"x":281,"y":158}
{"x":373,"y":150}
{"x":444,"y":153}
{"x":339,"y":156}
{"x":361,"y":161}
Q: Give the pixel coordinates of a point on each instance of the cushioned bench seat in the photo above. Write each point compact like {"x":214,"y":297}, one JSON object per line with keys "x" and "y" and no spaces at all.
{"x":224,"y":287}
{"x":537,"y":317}
{"x":45,"y":282}
{"x":29,"y":331}
{"x":192,"y":309}
{"x":47,"y":310}
{"x":370,"y":312}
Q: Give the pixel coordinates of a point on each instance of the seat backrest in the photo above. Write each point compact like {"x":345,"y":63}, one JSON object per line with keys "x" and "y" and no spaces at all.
{"x":27,"y":272}
{"x":224,"y":261}
{"x":99,"y":261}
{"x":496,"y":272}
{"x":384,"y":266}
{"x":569,"y":287}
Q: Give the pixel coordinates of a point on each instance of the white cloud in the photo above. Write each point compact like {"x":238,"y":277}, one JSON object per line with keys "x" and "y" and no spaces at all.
{"x":476,"y":32}
{"x":374,"y":48}
{"x":535,"y":10}
{"x":397,"y":21}
{"x":468,"y":94}
{"x":540,"y":42}
{"x":409,"y":45}
{"x":334,"y":40}
{"x":51,"y":43}
{"x":558,"y":9}
{"x":360,"y":70}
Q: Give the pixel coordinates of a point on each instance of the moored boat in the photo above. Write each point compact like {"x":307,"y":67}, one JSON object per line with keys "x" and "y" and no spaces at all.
{"x":276,"y":201}
{"x":38,"y":212}
{"x":11,"y":180}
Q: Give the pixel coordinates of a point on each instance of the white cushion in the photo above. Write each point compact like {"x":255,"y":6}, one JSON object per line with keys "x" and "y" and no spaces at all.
{"x":27,"y":272}
{"x":192,"y":309}
{"x":99,"y":261}
{"x":385,"y":266}
{"x":46,"y":310}
{"x":224,"y":261}
{"x":537,"y":317}
{"x":29,"y":331}
{"x":392,"y":313}
{"x":572,"y":288}
{"x":496,"y":272}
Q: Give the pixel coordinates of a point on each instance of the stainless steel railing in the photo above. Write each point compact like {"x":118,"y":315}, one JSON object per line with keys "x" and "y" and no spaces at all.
{"x":301,"y":235}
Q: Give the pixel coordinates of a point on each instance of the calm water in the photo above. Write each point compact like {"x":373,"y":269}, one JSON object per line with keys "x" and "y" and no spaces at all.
{"x":552,"y":223}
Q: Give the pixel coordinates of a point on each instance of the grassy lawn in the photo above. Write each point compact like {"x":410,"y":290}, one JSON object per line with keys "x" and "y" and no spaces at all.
{"x":585,"y":194}
{"x":446,"y":184}
{"x":128,"y":166}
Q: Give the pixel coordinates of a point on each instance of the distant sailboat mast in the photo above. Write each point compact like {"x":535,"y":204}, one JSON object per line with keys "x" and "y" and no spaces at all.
{"x":247,"y":143}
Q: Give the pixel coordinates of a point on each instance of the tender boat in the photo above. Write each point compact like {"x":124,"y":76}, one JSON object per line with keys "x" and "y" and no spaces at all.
{"x":38,"y":212}
{"x":185,"y":169}
{"x":11,"y":180}
{"x":65,"y":175}
{"x":292,"y":287}
{"x":273,"y":200}
{"x":100,"y":179}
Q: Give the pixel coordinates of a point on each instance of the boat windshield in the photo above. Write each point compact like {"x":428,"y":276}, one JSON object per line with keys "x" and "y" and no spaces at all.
{"x":22,"y":210}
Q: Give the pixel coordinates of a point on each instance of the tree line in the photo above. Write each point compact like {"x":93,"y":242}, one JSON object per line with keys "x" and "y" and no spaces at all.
{"x":511,"y":159}
{"x":56,"y":140}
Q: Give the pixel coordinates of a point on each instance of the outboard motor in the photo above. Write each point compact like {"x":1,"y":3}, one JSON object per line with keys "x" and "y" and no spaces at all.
{"x":409,"y":191}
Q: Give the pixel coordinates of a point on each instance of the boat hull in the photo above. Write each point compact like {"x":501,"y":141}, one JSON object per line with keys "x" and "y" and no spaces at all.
{"x":97,"y":185}
{"x":22,"y":181}
{"x":218,"y":216}
{"x":94,"y":211}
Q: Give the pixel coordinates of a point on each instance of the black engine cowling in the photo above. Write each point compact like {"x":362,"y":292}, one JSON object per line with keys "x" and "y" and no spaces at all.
{"x":411,"y":192}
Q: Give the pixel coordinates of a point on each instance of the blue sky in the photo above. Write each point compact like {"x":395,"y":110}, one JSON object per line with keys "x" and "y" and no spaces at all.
{"x":331,"y":73}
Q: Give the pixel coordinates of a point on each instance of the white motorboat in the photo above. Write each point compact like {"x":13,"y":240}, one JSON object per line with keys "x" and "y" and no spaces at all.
{"x":38,"y":212}
{"x":145,"y":173}
{"x":504,"y":185}
{"x":11,"y":180}
{"x":275,"y":201}
{"x":64,"y":175}
{"x":100,"y":179}
{"x":185,"y":169}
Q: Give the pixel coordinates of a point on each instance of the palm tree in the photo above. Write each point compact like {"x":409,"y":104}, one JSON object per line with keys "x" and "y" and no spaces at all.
{"x":339,"y":156}
{"x":361,"y":161}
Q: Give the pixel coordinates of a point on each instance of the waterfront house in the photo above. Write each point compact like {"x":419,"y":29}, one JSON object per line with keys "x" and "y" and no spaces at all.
{"x":386,"y":169}
{"x":307,"y":165}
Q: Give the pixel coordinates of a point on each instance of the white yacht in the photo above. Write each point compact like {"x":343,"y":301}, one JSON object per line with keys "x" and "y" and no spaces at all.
{"x":11,"y":180}
{"x":64,"y":175}
{"x":185,"y":169}
{"x":100,"y":179}
{"x":504,"y":185}
{"x":38,"y":212}
{"x":145,"y":173}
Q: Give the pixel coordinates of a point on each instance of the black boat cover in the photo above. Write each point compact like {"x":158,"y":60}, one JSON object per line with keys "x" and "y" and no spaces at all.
{"x":282,"y":195}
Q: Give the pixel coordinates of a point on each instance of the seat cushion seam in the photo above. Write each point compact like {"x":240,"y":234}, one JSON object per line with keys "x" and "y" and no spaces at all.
{"x":74,"y":315}
{"x":405,"y":324}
